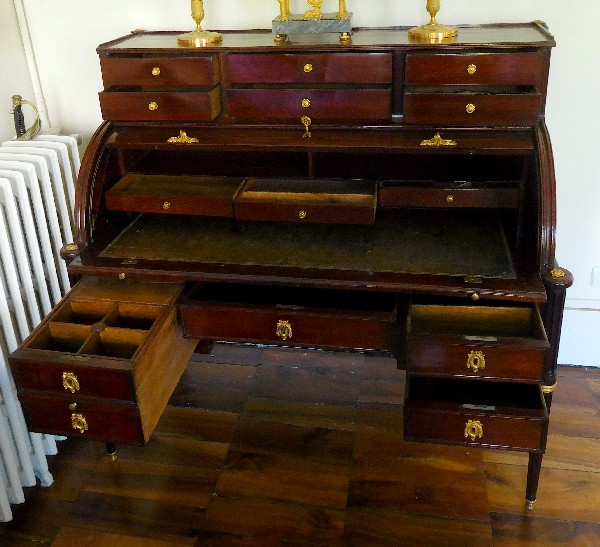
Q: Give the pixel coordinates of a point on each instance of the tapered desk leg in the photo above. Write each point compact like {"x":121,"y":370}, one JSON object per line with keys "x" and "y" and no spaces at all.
{"x":533,"y":477}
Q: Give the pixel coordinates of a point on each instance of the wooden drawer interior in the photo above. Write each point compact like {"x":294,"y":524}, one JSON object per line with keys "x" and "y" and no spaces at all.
{"x":487,"y":322}
{"x":298,"y":200}
{"x":174,"y":194}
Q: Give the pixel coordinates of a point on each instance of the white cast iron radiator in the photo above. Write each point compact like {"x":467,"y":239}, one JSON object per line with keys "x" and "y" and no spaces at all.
{"x":37,"y":194}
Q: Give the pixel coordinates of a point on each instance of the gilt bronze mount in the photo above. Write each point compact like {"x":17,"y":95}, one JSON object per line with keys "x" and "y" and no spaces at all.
{"x":433,"y":31}
{"x":312,"y":21}
{"x":198,"y":37}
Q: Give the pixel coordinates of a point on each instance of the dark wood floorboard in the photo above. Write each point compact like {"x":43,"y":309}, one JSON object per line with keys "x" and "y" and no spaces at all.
{"x":262,"y":447}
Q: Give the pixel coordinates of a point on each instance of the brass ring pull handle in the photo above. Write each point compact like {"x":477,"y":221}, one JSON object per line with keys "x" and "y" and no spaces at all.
{"x":474,"y":429}
{"x":166,"y":205}
{"x":70,"y":381}
{"x":156,"y":71}
{"x":476,"y":361}
{"x":470,"y":108}
{"x":450,"y":198}
{"x":305,"y":103}
{"x":308,"y":68}
{"x":472,"y":69}
{"x":302,"y":215}
{"x":79,"y":422}
{"x":152,"y":106}
{"x":283,"y":330}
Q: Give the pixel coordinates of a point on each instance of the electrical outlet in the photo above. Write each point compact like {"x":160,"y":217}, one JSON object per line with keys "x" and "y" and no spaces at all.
{"x":595,"y":281}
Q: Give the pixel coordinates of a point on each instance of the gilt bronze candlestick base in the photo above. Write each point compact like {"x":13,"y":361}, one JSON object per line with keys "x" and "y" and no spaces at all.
{"x":198,"y":37}
{"x":432,"y":31}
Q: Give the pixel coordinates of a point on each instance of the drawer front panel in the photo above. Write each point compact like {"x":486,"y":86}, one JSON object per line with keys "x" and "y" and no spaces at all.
{"x":426,"y":356}
{"x":495,"y":198}
{"x":160,"y":106}
{"x":31,"y":372}
{"x":471,"y":110}
{"x":101,"y":421}
{"x":286,"y":212}
{"x":445,"y":427}
{"x":332,"y":104}
{"x":329,"y":68}
{"x":307,"y":328}
{"x":479,"y":69}
{"x":160,"y":72}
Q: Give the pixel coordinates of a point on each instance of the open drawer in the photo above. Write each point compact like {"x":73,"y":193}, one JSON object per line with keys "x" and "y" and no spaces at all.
{"x":479,"y":341}
{"x":291,"y":316}
{"x":110,"y":345}
{"x":468,"y":412}
{"x":309,"y":201}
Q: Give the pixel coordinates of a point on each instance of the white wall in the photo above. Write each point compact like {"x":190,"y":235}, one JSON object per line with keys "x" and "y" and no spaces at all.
{"x":14,"y":75}
{"x":66,"y":32}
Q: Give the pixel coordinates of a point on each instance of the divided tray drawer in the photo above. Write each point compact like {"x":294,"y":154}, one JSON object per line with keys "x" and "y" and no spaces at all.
{"x":478,"y":341}
{"x":293,"y":317}
{"x":109,"y":345}
{"x":467,"y":412}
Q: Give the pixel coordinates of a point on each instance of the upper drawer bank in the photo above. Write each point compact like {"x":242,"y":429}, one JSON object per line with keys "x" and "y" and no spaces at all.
{"x":160,"y":71}
{"x":512,"y":69}
{"x":310,"y":68}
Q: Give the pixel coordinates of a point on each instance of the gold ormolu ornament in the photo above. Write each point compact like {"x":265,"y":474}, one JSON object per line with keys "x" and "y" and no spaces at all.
{"x":432,"y":31}
{"x":198,"y":37}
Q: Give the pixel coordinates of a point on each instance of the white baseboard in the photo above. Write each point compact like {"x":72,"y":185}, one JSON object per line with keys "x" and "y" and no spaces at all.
{"x":580,"y":338}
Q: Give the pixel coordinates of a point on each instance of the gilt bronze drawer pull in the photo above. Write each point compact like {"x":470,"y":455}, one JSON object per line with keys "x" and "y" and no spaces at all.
{"x":182,"y":139}
{"x":166,"y":205}
{"x":79,"y":422}
{"x":305,"y":103}
{"x":308,"y":67}
{"x":155,"y":71}
{"x":450,"y":198}
{"x":472,"y":69}
{"x":284,"y":330}
{"x":152,"y":106}
{"x":470,"y":108}
{"x":70,"y":381}
{"x":302,"y":215}
{"x":476,"y":361}
{"x":474,"y":429}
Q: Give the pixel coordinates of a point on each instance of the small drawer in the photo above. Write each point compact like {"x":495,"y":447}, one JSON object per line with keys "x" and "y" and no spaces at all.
{"x":82,"y":418}
{"x":307,"y":201}
{"x":296,"y":68}
{"x":175,"y":195}
{"x":160,"y":72}
{"x":322,"y":104}
{"x":292,"y":317}
{"x":476,"y":341}
{"x":160,"y":105}
{"x":391,"y":195}
{"x":471,"y":109}
{"x":463,"y":412}
{"x":476,"y":69}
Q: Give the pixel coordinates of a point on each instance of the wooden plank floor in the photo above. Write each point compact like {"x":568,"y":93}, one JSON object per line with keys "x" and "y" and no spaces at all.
{"x":305,"y":448}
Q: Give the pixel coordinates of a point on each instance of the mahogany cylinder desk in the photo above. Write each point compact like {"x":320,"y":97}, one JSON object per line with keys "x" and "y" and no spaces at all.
{"x":380,"y":195}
